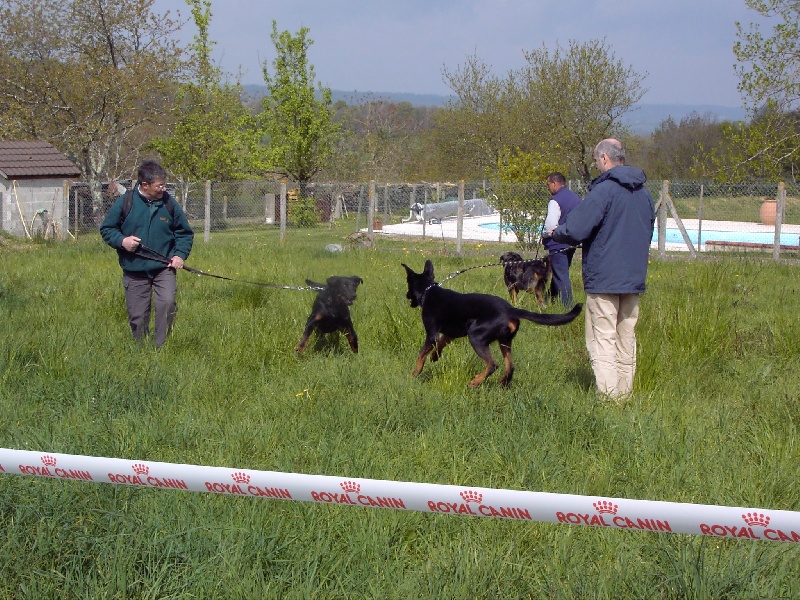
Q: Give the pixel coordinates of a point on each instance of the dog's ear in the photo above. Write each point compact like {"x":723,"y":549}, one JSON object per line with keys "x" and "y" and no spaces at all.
{"x":356,"y":280}
{"x":428,"y":268}
{"x":408,"y":269}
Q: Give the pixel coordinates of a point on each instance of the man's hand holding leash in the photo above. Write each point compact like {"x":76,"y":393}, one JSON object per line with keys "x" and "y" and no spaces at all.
{"x":131,"y":243}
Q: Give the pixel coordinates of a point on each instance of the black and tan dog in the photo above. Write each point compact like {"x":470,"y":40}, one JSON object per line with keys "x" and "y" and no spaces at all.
{"x":484,"y":319}
{"x":522,"y":275}
{"x":331,"y":310}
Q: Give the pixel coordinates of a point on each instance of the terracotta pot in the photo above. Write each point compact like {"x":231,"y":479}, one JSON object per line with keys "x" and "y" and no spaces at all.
{"x":767,"y":212}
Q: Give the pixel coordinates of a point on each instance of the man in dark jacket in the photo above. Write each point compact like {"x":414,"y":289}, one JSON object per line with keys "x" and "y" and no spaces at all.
{"x":615,"y":225}
{"x":152,"y":241}
{"x":562,"y":201}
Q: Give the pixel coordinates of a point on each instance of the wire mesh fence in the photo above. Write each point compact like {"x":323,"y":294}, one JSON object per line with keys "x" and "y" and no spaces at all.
{"x":712,"y":216}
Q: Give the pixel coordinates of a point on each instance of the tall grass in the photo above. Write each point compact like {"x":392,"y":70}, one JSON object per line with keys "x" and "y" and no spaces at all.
{"x":713,"y":420}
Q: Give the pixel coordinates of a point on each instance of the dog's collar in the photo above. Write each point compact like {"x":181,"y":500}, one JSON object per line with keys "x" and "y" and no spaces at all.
{"x":425,"y":292}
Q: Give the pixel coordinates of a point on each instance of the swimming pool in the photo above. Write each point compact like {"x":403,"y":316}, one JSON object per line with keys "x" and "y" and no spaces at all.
{"x":674,"y":236}
{"x":757,"y":237}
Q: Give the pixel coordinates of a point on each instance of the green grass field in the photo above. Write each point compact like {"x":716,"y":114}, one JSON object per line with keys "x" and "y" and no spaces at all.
{"x":714,"y":420}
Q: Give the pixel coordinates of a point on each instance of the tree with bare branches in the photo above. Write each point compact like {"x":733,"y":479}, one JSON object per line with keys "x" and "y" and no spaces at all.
{"x":93,"y":77}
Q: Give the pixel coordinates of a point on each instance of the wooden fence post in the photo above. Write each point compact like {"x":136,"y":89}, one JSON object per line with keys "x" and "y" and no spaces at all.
{"x":661,"y":220}
{"x":781,"y":206}
{"x":371,"y":210}
{"x":387,"y":209}
{"x":207,"y":223}
{"x":700,"y":219}
{"x":460,"y":216}
{"x":283,"y":211}
{"x":666,"y":199}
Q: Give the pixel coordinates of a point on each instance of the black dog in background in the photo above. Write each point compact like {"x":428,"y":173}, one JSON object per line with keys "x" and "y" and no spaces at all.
{"x":331,"y":309}
{"x":484,"y":319}
{"x":522,"y":275}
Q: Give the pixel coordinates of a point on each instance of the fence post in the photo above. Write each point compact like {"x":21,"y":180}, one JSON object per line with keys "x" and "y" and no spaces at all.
{"x":413,"y":198}
{"x":387,"y":209}
{"x":460,"y":216}
{"x":207,"y":220}
{"x":700,"y":219}
{"x":75,"y":205}
{"x":371,"y":209}
{"x":283,"y":211}
{"x":667,"y":199}
{"x":269,"y":208}
{"x":661,"y":219}
{"x":65,"y":207}
{"x":781,"y":206}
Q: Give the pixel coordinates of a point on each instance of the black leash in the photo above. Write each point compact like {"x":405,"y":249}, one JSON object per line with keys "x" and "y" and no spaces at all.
{"x":504,"y":264}
{"x":158,"y":257}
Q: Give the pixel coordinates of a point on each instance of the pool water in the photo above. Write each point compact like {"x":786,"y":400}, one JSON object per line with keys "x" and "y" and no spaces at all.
{"x":674,"y":236}
{"x":757,"y":237}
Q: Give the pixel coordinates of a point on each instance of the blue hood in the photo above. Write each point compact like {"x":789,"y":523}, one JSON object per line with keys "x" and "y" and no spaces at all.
{"x":631,"y":178}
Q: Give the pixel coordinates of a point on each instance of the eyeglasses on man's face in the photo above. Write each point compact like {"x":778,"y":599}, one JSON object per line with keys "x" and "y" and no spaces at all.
{"x":156,"y":185}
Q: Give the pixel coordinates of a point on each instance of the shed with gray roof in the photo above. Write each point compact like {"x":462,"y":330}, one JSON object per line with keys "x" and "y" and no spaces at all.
{"x":34,"y":188}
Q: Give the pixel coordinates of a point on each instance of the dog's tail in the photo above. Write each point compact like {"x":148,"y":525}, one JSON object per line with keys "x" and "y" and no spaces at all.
{"x":549,"y":319}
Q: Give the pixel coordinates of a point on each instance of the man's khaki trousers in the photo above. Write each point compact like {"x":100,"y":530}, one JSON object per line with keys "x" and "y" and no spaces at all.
{"x":611,"y":341}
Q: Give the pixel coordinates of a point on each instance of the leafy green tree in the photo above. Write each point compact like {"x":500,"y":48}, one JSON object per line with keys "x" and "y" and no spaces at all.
{"x":473,"y":131}
{"x":297,"y":119}
{"x":576,"y":97}
{"x":763,"y":149}
{"x":520,"y":198}
{"x":382,"y":136}
{"x":558,"y":106}
{"x":769,"y":65}
{"x":213,"y":137}
{"x":93,"y":77}
{"x":683,"y":150}
{"x":767,"y":70}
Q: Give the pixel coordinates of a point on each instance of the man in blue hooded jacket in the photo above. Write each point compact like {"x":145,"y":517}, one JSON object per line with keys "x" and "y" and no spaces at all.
{"x":155,"y":222}
{"x":615,"y":225}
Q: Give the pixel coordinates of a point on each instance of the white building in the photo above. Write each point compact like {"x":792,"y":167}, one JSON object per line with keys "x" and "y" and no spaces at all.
{"x":34,"y":189}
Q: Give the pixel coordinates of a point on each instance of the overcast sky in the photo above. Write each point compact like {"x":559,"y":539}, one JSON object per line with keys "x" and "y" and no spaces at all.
{"x":684,"y":46}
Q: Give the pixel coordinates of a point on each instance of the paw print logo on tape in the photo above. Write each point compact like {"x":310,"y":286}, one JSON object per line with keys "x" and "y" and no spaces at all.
{"x":471,"y":496}
{"x":240,"y":477}
{"x":605,"y":507}
{"x":49,"y":461}
{"x":351,"y":487}
{"x":755,"y":518}
{"x":141,"y":469}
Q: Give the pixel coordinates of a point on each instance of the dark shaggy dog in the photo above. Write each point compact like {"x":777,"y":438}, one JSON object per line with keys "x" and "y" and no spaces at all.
{"x":522,"y":275}
{"x":484,"y":319}
{"x":331,"y":310}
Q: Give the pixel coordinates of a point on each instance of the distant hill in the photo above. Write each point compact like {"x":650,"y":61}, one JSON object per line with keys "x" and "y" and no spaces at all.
{"x":413,"y":99}
{"x":643,"y":120}
{"x":255,"y":92}
{"x":646,"y":118}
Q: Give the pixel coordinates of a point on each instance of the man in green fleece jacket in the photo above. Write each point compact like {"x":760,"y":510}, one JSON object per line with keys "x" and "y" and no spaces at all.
{"x":156,"y":223}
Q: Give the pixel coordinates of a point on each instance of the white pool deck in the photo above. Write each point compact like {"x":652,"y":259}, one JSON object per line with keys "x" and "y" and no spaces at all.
{"x":473,"y":231}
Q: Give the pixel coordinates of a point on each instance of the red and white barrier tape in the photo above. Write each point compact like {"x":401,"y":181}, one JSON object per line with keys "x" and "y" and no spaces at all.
{"x":621,"y":513}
